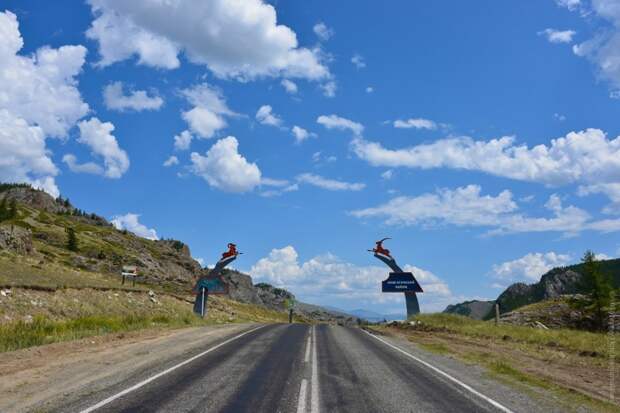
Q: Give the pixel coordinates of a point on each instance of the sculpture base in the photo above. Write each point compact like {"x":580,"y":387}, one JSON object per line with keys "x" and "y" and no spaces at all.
{"x":413,"y":307}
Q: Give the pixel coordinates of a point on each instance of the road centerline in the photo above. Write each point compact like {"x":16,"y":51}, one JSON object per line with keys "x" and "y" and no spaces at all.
{"x":314,"y":395}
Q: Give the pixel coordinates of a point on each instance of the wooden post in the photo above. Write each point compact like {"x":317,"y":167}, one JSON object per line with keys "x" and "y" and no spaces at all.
{"x":123,"y":282}
{"x":290,"y":316}
{"x":496,"y":313}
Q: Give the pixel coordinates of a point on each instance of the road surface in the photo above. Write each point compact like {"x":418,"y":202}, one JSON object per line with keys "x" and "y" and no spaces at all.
{"x":302,"y":368}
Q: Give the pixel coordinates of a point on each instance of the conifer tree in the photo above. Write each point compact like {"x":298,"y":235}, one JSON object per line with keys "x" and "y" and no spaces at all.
{"x":72,"y":241}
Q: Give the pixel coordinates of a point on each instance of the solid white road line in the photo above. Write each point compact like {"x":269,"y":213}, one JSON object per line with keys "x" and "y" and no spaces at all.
{"x":307,"y":357}
{"x":314,"y":383}
{"x":158,"y":375}
{"x":301,"y":404}
{"x":446,"y":375}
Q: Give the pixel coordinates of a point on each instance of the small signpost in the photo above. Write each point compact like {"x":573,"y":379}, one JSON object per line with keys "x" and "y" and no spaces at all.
{"x":290,"y":304}
{"x":129,"y":271}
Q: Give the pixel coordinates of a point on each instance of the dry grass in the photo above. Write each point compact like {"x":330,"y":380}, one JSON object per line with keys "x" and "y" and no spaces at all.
{"x":573,"y":340}
{"x":33,"y":317}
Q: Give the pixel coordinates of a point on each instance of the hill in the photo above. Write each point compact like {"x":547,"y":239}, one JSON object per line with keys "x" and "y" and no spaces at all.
{"x":556,"y":283}
{"x":35,"y":258}
{"x":475,"y":309}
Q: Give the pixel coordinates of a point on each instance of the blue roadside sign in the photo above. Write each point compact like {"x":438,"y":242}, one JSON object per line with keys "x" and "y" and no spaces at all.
{"x":399,"y":282}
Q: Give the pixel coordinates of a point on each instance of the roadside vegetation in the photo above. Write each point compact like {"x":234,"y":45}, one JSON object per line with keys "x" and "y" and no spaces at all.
{"x":30,"y":317}
{"x":567,"y":339}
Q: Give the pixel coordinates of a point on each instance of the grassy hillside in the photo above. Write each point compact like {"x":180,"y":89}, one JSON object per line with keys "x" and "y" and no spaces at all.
{"x":51,"y":292}
{"x":34,"y":317}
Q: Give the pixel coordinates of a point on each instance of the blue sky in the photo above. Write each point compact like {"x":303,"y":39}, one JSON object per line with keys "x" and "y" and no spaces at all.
{"x":482,"y":139}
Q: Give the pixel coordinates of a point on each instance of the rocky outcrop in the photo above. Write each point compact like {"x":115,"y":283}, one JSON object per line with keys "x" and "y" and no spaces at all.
{"x":36,"y":199}
{"x":553,"y":284}
{"x":16,"y":239}
{"x":475,"y":309}
{"x":563,"y":311}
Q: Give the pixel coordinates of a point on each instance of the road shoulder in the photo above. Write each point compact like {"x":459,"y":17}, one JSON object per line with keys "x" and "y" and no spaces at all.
{"x":47,"y":376}
{"x":488,"y":367}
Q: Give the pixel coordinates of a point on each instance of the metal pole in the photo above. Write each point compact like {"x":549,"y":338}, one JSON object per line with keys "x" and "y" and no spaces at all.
{"x":202,"y":312}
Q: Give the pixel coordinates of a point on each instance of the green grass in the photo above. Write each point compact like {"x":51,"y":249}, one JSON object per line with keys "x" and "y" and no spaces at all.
{"x":41,"y":330}
{"x":437,"y":348}
{"x":573,"y":340}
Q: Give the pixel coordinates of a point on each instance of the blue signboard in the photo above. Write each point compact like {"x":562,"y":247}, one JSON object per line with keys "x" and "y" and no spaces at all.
{"x":214,"y":285}
{"x":399,"y":282}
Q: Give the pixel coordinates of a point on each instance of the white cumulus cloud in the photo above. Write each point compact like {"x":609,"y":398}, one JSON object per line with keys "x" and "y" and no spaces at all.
{"x":301,"y":134}
{"x":131,"y":223}
{"x":467,"y":207}
{"x":329,"y":89}
{"x":340,"y":123}
{"x":580,"y":157}
{"x":183,"y":140}
{"x":326,"y":279}
{"x":529,"y":267}
{"x":266,"y":116}
{"x":98,"y":137}
{"x":417,"y":123}
{"x":329,"y":184}
{"x":323,"y":32}
{"x":173,"y":160}
{"x":558,"y":36}
{"x":289,"y":86}
{"x":87,"y":167}
{"x":233,"y":39}
{"x":39,"y":98}
{"x":358,"y":61}
{"x":603,"y":50}
{"x":209,"y":110}
{"x":225,"y":169}
{"x":137,"y":100}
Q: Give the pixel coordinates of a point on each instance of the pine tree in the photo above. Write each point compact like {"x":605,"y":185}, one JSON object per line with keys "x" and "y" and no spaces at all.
{"x":72,"y":241}
{"x":4,"y":212}
{"x":598,"y":286}
{"x":12,"y":209}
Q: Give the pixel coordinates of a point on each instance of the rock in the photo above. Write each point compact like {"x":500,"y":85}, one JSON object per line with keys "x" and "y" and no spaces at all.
{"x":16,"y":239}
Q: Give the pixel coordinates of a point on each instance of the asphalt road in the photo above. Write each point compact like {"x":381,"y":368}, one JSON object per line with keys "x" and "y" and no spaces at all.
{"x":300,"y":368}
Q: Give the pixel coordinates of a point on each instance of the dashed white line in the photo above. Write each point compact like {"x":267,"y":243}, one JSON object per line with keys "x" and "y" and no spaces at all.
{"x":158,"y":375}
{"x":314,"y":382}
{"x":307,"y":357}
{"x":446,"y":375}
{"x":301,"y":404}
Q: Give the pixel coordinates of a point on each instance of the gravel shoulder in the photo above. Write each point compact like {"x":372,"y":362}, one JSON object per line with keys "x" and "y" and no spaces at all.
{"x":41,"y":378}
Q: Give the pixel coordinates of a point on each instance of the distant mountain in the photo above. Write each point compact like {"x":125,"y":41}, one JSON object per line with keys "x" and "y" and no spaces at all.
{"x":555,"y":283}
{"x":374,"y":317}
{"x":475,"y":309}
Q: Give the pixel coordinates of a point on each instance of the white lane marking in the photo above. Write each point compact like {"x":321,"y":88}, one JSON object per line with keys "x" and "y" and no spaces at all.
{"x":301,"y":404}
{"x":158,"y":375}
{"x":307,"y":357}
{"x":444,"y":374}
{"x":314,"y":394}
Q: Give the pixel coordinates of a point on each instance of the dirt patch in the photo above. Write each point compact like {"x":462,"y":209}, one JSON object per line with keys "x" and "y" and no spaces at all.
{"x":42,"y":377}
